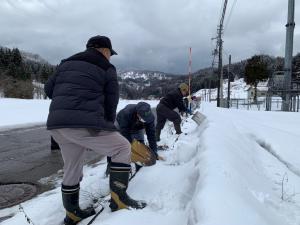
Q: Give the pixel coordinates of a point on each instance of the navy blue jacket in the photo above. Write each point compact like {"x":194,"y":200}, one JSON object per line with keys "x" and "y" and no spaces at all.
{"x":84,"y":92}
{"x":129,"y":123}
{"x":174,"y":99}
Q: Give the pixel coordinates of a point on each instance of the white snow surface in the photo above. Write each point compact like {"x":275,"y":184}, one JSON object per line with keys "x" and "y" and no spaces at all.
{"x":236,"y":168}
{"x":238,"y":89}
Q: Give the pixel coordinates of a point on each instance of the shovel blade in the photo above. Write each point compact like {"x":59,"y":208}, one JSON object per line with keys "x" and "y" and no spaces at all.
{"x":198,"y":117}
{"x":142,"y":154}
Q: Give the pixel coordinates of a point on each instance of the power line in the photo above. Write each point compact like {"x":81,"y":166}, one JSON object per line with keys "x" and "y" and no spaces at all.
{"x":220,"y":13}
{"x":230,"y":13}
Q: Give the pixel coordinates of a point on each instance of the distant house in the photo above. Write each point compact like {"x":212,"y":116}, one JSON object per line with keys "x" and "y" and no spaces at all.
{"x":262,"y":89}
{"x":278,"y":80}
{"x":296,"y":75}
{"x":236,"y":77}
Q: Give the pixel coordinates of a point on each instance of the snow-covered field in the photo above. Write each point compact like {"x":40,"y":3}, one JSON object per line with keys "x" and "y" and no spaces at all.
{"x":236,"y":168}
{"x":239,"y":96}
{"x":18,"y":113}
{"x":237,"y":90}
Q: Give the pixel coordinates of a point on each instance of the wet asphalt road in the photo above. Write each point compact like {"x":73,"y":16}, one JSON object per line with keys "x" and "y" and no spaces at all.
{"x":25,"y":155}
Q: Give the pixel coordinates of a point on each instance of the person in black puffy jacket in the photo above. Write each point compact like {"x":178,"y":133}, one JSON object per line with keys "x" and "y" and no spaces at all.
{"x":85,"y":94}
{"x":167,"y":104}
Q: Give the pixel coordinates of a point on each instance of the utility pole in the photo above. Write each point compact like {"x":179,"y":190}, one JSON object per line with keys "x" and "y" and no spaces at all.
{"x":220,"y":102}
{"x":214,"y":54}
{"x":228,"y":92}
{"x":289,"y":55}
{"x":209,"y":91}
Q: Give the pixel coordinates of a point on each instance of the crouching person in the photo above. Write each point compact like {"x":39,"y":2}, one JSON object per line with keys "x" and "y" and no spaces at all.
{"x":135,"y":120}
{"x":84,"y":93}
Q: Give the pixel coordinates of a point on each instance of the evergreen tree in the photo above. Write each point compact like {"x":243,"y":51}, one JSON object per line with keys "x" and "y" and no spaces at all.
{"x":44,"y":74}
{"x":16,"y":57}
{"x":256,"y":70}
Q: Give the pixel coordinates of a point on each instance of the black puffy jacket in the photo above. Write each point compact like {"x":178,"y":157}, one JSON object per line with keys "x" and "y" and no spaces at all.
{"x":174,"y":99}
{"x":84,"y":92}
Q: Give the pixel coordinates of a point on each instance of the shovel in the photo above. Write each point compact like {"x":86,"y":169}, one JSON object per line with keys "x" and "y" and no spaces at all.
{"x":142,"y":154}
{"x":198,"y":117}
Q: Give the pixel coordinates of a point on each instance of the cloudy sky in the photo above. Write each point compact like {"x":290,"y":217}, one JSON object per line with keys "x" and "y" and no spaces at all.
{"x":147,"y":34}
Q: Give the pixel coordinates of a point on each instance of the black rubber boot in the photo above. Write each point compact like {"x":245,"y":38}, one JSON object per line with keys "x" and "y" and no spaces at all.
{"x":119,"y":177}
{"x":157,"y":134}
{"x":70,"y":197}
{"x":107,"y":171}
{"x":177,"y":127}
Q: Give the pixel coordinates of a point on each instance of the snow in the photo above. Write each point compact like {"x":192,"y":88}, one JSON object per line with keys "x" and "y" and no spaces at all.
{"x":142,"y":75}
{"x":18,"y":113}
{"x":237,"y":167}
{"x":237,"y":90}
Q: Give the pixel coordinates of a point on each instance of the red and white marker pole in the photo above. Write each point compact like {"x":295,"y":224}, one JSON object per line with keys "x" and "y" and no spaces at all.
{"x":190,"y":77}
{"x":190,"y":69}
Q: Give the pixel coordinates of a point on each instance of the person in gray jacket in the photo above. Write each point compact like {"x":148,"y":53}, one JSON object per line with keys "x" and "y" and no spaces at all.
{"x":84,"y":92}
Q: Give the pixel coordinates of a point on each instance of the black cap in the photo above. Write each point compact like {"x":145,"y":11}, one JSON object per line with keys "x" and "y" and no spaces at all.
{"x":143,"y":109}
{"x":100,"y":42}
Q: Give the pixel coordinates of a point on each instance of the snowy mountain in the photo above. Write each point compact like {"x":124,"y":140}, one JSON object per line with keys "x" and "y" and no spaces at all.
{"x":136,"y":84}
{"x":31,"y":57}
{"x":144,"y":75}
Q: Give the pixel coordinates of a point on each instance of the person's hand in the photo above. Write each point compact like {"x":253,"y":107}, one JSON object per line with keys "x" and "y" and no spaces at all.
{"x":189,"y":111}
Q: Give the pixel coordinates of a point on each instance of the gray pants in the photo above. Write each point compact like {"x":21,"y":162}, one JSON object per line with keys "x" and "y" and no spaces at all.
{"x":74,"y":142}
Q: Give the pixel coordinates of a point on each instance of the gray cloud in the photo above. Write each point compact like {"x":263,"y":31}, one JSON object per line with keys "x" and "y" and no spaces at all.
{"x":152,"y":35}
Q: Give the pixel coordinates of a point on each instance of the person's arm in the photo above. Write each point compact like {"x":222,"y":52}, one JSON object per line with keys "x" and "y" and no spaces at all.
{"x":123,"y":121}
{"x":180,"y":104}
{"x":49,"y":86}
{"x":150,"y":132}
{"x":111,"y":92}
